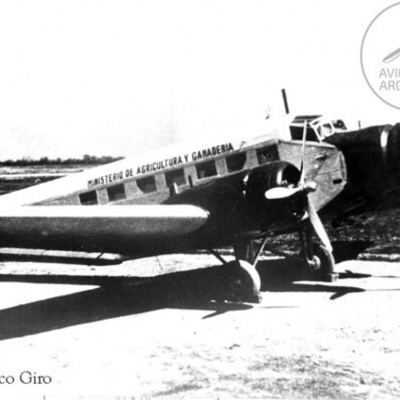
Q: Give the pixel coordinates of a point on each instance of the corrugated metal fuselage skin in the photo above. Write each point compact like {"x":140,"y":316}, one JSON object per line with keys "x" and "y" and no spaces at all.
{"x":222,"y":195}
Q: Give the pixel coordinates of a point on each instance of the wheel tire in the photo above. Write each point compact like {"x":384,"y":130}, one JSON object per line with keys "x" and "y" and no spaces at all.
{"x":243,"y":283}
{"x":327,"y":263}
{"x":316,"y":264}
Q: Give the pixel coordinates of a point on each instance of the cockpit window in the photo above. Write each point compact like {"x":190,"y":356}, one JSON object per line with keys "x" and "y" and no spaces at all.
{"x":206,"y":169}
{"x":176,"y":176}
{"x":235,"y":162}
{"x":147,"y":184}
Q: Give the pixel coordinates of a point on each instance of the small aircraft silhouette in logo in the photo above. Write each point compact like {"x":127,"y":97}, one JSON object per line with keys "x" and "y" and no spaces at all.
{"x":392,"y":56}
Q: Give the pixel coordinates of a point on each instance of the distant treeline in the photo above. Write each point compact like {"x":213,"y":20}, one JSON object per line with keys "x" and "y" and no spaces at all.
{"x":85,"y":160}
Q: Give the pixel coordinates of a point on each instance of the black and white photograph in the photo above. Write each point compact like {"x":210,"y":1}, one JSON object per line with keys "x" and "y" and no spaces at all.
{"x":199,"y":199}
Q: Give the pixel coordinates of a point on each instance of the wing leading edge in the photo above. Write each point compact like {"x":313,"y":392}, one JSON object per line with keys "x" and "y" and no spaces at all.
{"x":96,"y":228}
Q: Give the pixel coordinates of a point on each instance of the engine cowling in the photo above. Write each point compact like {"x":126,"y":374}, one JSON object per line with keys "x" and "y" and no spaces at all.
{"x":372,"y":157}
{"x":392,"y":151}
{"x":272,"y":214}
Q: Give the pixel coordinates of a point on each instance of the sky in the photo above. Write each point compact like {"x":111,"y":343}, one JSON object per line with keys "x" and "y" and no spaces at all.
{"x":120,"y":77}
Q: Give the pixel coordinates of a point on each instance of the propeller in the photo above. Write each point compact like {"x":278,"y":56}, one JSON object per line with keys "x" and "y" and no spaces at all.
{"x":318,"y":226}
{"x":279,"y":193}
{"x":303,"y":151}
{"x":282,"y":192}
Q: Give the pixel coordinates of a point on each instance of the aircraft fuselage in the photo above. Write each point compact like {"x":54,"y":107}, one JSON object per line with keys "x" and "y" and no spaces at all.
{"x":213,"y":176}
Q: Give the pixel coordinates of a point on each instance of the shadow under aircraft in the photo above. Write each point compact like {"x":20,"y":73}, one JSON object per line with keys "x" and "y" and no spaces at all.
{"x":120,"y":296}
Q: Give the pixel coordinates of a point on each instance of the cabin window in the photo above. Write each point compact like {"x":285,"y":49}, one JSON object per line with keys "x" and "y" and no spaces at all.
{"x":176,"y":176}
{"x":235,"y":162}
{"x":267,"y":154}
{"x":206,"y":169}
{"x":147,"y":185}
{"x":88,"y":198}
{"x":116,"y":192}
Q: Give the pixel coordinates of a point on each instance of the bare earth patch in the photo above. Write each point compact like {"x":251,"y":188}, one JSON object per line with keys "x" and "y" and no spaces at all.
{"x":306,"y":340}
{"x":169,"y":338}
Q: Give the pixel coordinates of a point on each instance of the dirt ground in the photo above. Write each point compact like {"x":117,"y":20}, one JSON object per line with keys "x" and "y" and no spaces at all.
{"x":168,"y":338}
{"x":120,"y":335}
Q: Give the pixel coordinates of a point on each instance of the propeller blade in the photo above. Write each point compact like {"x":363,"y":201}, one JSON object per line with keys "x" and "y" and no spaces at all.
{"x":303,"y":150}
{"x":278,"y":193}
{"x":318,"y":226}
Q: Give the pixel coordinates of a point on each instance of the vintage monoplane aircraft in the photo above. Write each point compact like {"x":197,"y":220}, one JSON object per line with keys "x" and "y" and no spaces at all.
{"x":185,"y":197}
{"x":201,"y":196}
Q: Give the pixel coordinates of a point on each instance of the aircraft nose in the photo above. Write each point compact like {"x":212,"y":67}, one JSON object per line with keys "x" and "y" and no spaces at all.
{"x":274,"y":197}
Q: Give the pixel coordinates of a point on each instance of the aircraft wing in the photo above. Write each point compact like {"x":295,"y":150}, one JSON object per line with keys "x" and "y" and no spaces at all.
{"x":118,"y":229}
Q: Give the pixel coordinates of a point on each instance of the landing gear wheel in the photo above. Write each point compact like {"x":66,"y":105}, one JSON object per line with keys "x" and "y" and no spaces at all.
{"x":315,"y":263}
{"x":243,"y":283}
{"x":326,"y":262}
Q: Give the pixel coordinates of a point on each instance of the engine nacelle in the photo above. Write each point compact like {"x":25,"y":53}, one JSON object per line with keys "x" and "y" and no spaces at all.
{"x":372,"y":157}
{"x":391,"y":144}
{"x":273,"y":214}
